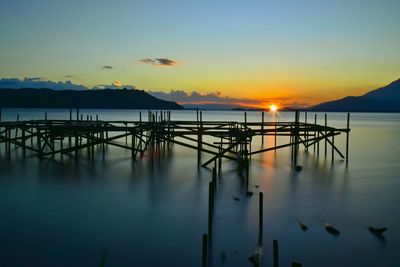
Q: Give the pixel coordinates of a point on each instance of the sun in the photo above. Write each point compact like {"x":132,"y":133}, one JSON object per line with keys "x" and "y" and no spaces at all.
{"x":273,"y":108}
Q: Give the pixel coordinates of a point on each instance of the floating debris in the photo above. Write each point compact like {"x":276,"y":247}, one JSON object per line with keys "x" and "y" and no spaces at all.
{"x":332,"y":230}
{"x":236,"y":198}
{"x":377,"y":231}
{"x":255,"y":256}
{"x":249,"y":193}
{"x":303,"y":226}
{"x":296,"y":264}
{"x":223,"y":256}
{"x":298,"y":168}
{"x":256,"y":186}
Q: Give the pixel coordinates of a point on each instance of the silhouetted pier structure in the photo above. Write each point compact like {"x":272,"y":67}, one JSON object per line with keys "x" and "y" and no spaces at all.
{"x":231,"y":140}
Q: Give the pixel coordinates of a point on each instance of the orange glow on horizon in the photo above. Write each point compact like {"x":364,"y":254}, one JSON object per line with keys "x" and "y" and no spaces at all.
{"x":273,"y":108}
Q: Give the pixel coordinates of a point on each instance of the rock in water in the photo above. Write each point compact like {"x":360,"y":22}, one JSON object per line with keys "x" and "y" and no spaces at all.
{"x":256,"y":256}
{"x":377,"y":231}
{"x":332,"y":230}
{"x":298,"y":168}
{"x":303,"y":226}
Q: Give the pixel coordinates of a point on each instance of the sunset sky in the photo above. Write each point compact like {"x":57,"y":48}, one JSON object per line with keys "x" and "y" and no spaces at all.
{"x":285,"y":51}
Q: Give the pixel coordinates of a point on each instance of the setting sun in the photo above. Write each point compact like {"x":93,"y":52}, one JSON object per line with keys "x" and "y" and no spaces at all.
{"x":273,"y":108}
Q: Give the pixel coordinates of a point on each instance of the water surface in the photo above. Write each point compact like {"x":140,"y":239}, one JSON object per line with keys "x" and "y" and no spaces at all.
{"x":58,"y":212}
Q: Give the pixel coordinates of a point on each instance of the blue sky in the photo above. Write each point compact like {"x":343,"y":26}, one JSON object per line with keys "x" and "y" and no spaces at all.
{"x":313,"y":50}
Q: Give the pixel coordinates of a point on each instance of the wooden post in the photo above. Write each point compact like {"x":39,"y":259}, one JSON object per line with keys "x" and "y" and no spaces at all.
{"x":347,"y":137}
{"x":210,"y":207}
{"x":23,"y":143}
{"x":70,"y":114}
{"x":326,"y":142}
{"x":276,"y":253}
{"x":260,"y":218}
{"x":204,"y":251}
{"x":306,"y":131}
{"x":314,"y":134}
{"x":77,"y":114}
{"x":333,"y":146}
{"x":140,"y":116}
{"x":133,"y":143}
{"x":199,"y":138}
{"x":39,"y":143}
{"x":262,"y":128}
{"x":296,"y":137}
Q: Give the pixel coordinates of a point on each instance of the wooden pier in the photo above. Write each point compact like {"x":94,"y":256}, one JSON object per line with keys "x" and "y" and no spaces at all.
{"x":215,"y":140}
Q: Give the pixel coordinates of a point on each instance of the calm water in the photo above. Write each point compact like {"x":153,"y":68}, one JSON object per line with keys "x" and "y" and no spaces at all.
{"x":61,"y":213}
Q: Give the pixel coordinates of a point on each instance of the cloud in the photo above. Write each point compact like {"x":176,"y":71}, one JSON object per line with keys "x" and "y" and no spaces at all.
{"x":36,"y":82}
{"x":217,"y":98}
{"x":194,"y":97}
{"x":159,"y":62}
{"x":107,"y":67}
{"x":115,"y":85}
{"x":71,"y":77}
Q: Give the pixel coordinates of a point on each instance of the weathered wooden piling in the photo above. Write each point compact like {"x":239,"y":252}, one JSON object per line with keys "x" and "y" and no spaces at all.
{"x":260,"y":217}
{"x":210,"y":207}
{"x":347,"y":137}
{"x":262,"y":127}
{"x":326,"y":140}
{"x":204,"y":251}
{"x":296,"y":137}
{"x":276,"y":252}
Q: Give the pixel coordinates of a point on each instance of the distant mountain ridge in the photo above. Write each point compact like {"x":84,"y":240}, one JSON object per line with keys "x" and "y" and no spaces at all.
{"x":99,"y":99}
{"x":384,"y":99}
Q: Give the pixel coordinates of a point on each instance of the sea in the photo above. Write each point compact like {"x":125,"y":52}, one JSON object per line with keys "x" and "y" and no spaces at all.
{"x":153,"y":211}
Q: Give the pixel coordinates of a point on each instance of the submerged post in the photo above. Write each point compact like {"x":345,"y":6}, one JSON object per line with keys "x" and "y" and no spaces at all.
{"x":276,"y":253}
{"x":199,"y":137}
{"x":204,"y":251}
{"x":262,"y":127}
{"x":210,"y":206}
{"x":296,"y":138}
{"x":314,"y":132}
{"x":347,"y":137}
{"x":306,"y":131}
{"x":260,"y":217}
{"x":326,"y":141}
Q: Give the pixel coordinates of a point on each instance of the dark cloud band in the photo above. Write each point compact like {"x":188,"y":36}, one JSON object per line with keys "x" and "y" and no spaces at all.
{"x":159,"y":61}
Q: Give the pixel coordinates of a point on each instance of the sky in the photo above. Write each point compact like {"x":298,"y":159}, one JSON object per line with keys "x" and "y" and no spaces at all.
{"x":290,"y":52}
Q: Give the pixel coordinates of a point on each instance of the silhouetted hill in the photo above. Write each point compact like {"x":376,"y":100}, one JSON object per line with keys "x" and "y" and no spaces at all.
{"x":101,"y":99}
{"x":384,"y":99}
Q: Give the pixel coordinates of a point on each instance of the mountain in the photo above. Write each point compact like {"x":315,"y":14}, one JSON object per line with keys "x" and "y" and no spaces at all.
{"x":99,"y":99}
{"x":384,"y":99}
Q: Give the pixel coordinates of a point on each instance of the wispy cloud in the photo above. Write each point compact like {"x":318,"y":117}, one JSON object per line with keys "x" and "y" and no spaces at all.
{"x":107,"y":67}
{"x":71,"y":76}
{"x":159,"y":62}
